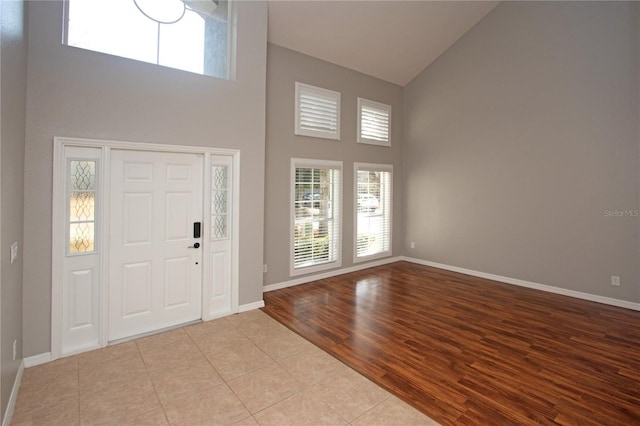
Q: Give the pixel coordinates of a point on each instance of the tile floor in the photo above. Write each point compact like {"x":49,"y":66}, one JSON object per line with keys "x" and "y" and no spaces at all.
{"x":246,"y":369}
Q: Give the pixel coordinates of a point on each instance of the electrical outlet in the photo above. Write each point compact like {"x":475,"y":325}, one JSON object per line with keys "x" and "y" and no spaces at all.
{"x":14,"y":252}
{"x":264,"y":268}
{"x":615,"y":280}
{"x":413,"y":245}
{"x":15,"y":349}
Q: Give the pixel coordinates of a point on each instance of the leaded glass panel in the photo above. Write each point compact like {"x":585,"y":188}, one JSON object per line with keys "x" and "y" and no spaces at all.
{"x":219,"y":202}
{"x":81,"y":196}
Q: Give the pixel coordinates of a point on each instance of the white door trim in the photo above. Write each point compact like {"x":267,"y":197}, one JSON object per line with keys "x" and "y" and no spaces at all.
{"x":58,"y":226}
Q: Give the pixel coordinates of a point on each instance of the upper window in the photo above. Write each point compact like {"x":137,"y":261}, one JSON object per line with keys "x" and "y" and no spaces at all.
{"x":315,"y":215}
{"x":190,"y":35}
{"x":373,"y":210}
{"x":374,"y":123}
{"x":317,"y":112}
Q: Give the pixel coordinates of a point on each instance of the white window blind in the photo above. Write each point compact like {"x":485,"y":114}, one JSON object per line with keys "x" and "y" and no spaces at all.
{"x":315,"y":215}
{"x":374,"y":123}
{"x":373,"y":210}
{"x":317,"y":112}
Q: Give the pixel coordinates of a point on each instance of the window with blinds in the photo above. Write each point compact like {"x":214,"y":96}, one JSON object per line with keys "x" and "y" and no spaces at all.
{"x":317,"y":112}
{"x":374,"y":123}
{"x":373,"y":202}
{"x":315,"y":215}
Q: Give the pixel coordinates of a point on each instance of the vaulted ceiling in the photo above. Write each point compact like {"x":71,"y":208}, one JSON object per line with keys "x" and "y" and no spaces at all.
{"x":391,"y":40}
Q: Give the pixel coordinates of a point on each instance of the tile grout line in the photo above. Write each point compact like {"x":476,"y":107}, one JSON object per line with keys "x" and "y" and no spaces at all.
{"x":155,"y":390}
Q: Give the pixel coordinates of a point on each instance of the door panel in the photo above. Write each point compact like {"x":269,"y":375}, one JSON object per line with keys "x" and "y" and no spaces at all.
{"x":155,"y":279}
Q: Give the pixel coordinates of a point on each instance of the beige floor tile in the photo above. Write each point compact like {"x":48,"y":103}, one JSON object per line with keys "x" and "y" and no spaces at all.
{"x":263,"y":388}
{"x":99,"y":356}
{"x":171,"y":356}
{"x":179,"y":382}
{"x":162,"y":339}
{"x":111,"y":373}
{"x":282,"y":344}
{"x":247,"y":316}
{"x":43,"y":395}
{"x":238,"y":360}
{"x":262,"y":326}
{"x":118,"y":405}
{"x":63,"y":412}
{"x":216,"y":406}
{"x":312,"y":366}
{"x":300,"y":409}
{"x":393,"y":412}
{"x":153,"y":418}
{"x":349,"y":394}
{"x":213,"y":326}
{"x":214,"y":342}
{"x":51,"y":371}
{"x":247,"y":421}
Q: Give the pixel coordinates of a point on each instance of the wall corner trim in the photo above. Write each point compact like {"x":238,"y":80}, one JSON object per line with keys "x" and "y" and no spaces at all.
{"x":13,"y":398}
{"x":336,"y":272}
{"x":32,"y":361}
{"x":251,"y":306}
{"x":536,"y":286}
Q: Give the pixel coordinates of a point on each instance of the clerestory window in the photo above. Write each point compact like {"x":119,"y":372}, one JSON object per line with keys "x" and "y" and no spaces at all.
{"x":190,"y":35}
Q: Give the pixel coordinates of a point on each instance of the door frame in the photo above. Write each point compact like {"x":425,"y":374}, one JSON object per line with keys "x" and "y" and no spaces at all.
{"x":59,"y":228}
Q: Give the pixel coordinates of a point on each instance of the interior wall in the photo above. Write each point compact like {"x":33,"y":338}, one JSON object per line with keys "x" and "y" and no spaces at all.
{"x":522,"y":148}
{"x":284,"y":68}
{"x":78,"y":93}
{"x":12,"y":139}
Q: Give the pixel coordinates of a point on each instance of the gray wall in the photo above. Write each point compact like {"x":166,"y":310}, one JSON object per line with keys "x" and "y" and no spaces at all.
{"x":12,"y":116}
{"x":520,"y":138}
{"x":284,"y":68}
{"x":77,"y":93}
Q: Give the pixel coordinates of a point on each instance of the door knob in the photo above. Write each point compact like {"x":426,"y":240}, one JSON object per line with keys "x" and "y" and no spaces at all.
{"x":195,"y":245}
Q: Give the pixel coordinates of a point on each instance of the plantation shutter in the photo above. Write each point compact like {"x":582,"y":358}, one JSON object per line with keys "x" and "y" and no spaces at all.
{"x":317,"y":112}
{"x":374,"y":122}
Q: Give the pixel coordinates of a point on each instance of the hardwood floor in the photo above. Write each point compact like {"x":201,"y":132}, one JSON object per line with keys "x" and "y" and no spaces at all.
{"x":470,"y":351}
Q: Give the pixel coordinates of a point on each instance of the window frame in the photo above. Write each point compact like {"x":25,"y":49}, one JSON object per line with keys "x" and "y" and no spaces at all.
{"x":362,"y":102}
{"x":230,"y":72}
{"x":337,"y":214}
{"x":96,"y":209}
{"x":300,"y":88}
{"x":372,"y":167}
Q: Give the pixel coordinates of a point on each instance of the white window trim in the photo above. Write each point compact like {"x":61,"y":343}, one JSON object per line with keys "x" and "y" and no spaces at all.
{"x":377,"y":105}
{"x":319,"y":91}
{"x":375,"y":168}
{"x":303,"y":162}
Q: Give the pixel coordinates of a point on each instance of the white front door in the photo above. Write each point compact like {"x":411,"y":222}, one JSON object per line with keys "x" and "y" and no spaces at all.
{"x":155,"y":259}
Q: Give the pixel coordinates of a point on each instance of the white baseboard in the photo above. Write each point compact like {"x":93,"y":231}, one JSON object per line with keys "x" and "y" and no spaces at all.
{"x":316,"y":277}
{"x":32,"y":361}
{"x":251,"y":306}
{"x":13,"y":398}
{"x":522,"y":283}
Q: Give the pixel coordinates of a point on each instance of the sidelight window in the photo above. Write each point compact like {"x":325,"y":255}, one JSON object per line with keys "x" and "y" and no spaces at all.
{"x":81,"y":202}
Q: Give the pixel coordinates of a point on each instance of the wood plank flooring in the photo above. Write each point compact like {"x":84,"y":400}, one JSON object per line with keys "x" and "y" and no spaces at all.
{"x":469,"y":351}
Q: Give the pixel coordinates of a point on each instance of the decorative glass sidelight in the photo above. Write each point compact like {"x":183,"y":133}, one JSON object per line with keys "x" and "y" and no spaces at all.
{"x":219,"y":202}
{"x":81,"y":188}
